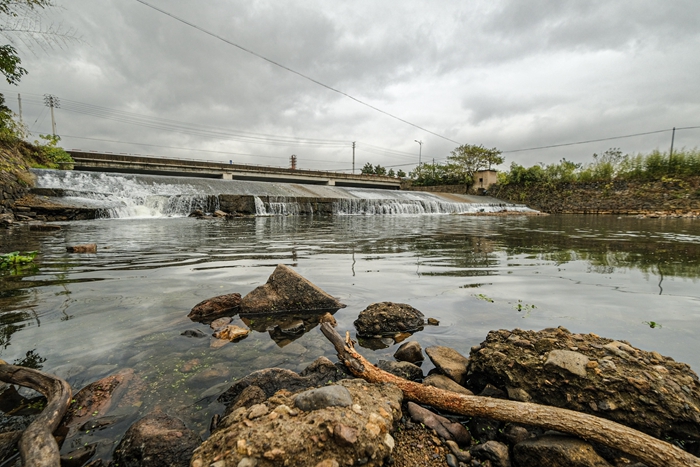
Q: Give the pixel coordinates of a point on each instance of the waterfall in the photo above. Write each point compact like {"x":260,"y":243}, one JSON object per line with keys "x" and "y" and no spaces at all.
{"x":134,"y":196}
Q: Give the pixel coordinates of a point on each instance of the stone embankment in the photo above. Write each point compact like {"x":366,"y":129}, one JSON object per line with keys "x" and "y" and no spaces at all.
{"x":663,"y":198}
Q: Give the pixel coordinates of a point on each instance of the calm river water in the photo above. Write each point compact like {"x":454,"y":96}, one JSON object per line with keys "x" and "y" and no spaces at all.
{"x":90,"y":315}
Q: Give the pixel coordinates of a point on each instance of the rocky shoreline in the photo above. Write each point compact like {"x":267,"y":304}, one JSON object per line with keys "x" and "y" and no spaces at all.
{"x":325,"y":416}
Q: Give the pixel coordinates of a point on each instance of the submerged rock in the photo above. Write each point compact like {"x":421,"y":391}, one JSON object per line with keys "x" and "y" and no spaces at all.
{"x":86,"y":248}
{"x":212,"y":308}
{"x":157,"y":440}
{"x":232,"y":333}
{"x":285,"y":291}
{"x":388,"y":318}
{"x":591,"y":374}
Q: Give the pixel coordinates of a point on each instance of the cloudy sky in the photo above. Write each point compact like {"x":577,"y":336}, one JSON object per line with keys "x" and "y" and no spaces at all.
{"x":510,"y":74}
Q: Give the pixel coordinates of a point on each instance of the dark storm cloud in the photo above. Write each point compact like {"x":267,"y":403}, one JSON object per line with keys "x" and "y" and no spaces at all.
{"x":509,"y":74}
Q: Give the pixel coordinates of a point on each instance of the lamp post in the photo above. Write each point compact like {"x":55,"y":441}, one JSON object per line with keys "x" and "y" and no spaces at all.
{"x":420,"y":149}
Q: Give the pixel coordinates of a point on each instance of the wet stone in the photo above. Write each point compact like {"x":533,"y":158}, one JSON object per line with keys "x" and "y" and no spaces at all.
{"x":328,"y":396}
{"x":573,"y":362}
{"x":403,"y":370}
{"x":409,"y":352}
{"x":449,"y":362}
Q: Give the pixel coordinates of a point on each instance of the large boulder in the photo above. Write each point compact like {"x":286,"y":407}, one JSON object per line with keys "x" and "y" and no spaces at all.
{"x":277,"y":432}
{"x":157,"y":440}
{"x":387,"y":319}
{"x":590,"y":374}
{"x":285,"y":291}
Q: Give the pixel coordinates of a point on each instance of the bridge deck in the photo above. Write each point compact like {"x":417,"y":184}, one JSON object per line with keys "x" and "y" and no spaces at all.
{"x":124,"y":163}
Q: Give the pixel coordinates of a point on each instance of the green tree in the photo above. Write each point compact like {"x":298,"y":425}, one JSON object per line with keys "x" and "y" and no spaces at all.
{"x":401,"y":174}
{"x":468,"y":159}
{"x":379,"y":170}
{"x":367,"y":169}
{"x":391,"y":173}
{"x":21,"y":23}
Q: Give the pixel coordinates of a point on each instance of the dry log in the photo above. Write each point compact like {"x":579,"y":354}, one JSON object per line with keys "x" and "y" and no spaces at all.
{"x":37,"y":447}
{"x":649,"y":450}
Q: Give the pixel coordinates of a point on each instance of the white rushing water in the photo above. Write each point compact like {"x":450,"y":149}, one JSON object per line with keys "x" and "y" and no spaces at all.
{"x":151,"y":196}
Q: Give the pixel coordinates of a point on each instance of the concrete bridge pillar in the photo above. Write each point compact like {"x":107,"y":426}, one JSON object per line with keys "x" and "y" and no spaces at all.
{"x":331,"y":182}
{"x":226,"y":176}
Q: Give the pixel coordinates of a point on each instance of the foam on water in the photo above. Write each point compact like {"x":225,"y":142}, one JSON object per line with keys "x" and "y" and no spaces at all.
{"x":151,"y":196}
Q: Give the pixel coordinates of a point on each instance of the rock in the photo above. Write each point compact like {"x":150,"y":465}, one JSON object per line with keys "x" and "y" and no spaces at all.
{"x":450,"y":362}
{"x":444,"y":427}
{"x":157,"y":440}
{"x":515,"y":434}
{"x":462,"y":456}
{"x":192,"y":333}
{"x":387,"y":318}
{"x":213,"y":308}
{"x":573,"y":362}
{"x":271,"y":380}
{"x":249,"y":397}
{"x":554,"y":451}
{"x":327,"y":396}
{"x":93,"y":401}
{"x":404,"y":370}
{"x":286,"y":291}
{"x":639,"y":389}
{"x":8,"y":443}
{"x":7,"y":219}
{"x":219,"y":213}
{"x":443,"y":382}
{"x":485,"y":429}
{"x":324,"y":437}
{"x":409,"y":352}
{"x":220,"y":323}
{"x":344,"y":435}
{"x":197,"y":213}
{"x":232,"y":333}
{"x":493,"y":451}
{"x":328,"y":318}
{"x":432,"y":322}
{"x":78,"y":457}
{"x":86,"y":248}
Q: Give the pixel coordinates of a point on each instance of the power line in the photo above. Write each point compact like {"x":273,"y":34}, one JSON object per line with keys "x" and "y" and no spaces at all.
{"x":596,"y":140}
{"x":192,"y":25}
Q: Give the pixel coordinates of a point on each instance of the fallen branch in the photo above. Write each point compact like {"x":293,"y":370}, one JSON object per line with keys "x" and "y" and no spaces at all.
{"x":37,"y":447}
{"x":649,"y":450}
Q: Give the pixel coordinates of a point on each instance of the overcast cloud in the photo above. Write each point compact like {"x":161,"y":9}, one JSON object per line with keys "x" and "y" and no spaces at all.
{"x":509,"y":74}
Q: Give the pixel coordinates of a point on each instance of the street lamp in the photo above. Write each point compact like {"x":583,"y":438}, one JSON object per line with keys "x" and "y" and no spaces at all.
{"x":420,"y":149}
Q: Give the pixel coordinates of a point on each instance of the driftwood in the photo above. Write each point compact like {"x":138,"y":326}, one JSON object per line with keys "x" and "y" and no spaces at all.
{"x":649,"y":450}
{"x":37,"y":447}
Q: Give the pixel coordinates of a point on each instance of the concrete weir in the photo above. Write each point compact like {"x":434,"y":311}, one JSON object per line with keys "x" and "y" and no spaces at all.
{"x":111,"y":195}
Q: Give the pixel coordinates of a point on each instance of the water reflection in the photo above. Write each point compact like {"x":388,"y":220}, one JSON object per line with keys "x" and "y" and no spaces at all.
{"x":125,"y":307}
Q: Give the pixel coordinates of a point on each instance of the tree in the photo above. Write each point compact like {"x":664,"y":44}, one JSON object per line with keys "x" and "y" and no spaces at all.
{"x":367,"y":169}
{"x":401,"y":174}
{"x":21,"y":22}
{"x":391,"y":173}
{"x":468,"y":159}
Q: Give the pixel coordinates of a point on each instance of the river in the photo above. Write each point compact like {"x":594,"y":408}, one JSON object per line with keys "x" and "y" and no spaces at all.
{"x":90,"y":315}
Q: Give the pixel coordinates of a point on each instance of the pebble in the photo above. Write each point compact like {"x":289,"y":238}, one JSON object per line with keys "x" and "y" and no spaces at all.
{"x":452,"y":460}
{"x":192,"y":333}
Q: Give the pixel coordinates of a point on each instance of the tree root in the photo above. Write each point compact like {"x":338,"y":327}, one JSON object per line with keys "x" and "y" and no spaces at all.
{"x":649,"y":450}
{"x":37,"y":447}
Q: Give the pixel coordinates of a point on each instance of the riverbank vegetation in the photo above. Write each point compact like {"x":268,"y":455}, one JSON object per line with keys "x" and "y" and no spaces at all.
{"x":609,"y":166}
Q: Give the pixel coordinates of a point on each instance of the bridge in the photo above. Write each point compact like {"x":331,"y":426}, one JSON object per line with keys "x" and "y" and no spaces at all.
{"x":126,"y":163}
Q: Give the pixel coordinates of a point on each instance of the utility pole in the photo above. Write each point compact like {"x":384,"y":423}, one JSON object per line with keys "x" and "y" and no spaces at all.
{"x":420,"y":150}
{"x":670,"y":154}
{"x":353,"y":158}
{"x":19,"y":98}
{"x":52,"y":101}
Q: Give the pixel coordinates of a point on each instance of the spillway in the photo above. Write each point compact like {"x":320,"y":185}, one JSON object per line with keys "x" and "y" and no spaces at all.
{"x":114,"y":195}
